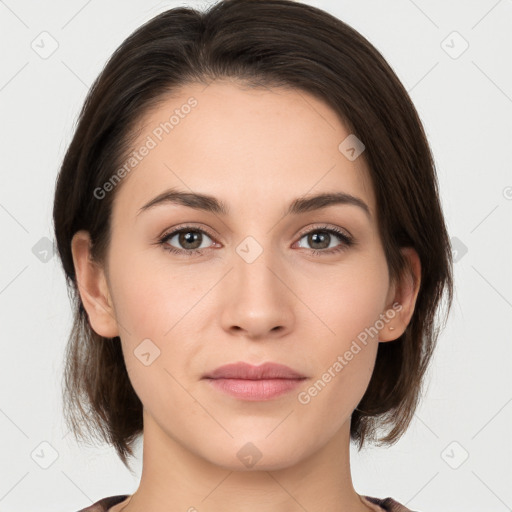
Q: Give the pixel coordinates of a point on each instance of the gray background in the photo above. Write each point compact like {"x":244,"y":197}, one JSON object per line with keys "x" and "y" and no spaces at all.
{"x":457,"y":454}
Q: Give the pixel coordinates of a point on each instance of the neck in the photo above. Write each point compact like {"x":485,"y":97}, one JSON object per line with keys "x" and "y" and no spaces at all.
{"x":175,"y":479}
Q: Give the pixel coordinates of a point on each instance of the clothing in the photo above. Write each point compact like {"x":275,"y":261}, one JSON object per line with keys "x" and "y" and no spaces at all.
{"x":385,"y":504}
{"x":105,"y":504}
{"x":380,"y":505}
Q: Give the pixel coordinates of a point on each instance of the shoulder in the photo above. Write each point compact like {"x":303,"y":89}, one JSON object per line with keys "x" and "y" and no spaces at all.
{"x":104,"y":504}
{"x":388,"y":504}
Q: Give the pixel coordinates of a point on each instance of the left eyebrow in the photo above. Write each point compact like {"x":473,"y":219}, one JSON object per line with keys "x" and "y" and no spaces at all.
{"x":211,"y":204}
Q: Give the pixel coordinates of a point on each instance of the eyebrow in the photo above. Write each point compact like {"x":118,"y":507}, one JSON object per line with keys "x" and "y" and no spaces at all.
{"x":211,"y":204}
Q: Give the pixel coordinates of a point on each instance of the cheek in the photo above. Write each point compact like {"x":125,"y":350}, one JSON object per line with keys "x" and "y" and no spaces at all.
{"x":157,"y":304}
{"x":351,"y":298}
{"x":349,"y":303}
{"x":150,"y":297}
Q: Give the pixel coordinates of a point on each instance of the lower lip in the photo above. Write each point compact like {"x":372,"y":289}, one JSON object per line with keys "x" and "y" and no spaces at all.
{"x":263,"y":389}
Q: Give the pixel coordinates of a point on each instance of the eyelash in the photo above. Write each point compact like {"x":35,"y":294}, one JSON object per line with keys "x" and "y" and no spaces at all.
{"x":346,"y":241}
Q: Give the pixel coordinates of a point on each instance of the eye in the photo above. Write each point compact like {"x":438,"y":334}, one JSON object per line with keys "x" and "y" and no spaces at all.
{"x":322,"y":238}
{"x":190,"y":240}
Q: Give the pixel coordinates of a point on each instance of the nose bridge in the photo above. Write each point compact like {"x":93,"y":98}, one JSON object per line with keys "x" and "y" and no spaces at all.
{"x":256,"y":257}
{"x":253,"y":263}
{"x":257,"y":303}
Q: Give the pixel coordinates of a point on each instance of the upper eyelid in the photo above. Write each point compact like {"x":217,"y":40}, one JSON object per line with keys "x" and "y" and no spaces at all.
{"x":305,"y":231}
{"x":326,"y":227}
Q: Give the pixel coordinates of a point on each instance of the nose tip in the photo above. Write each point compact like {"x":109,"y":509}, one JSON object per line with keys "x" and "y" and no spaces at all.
{"x":256,"y":308}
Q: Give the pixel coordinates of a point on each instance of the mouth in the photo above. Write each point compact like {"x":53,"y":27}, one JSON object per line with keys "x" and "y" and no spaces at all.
{"x":254,"y":383}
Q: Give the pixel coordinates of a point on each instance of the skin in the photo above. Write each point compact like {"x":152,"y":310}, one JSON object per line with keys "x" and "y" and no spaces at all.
{"x":256,"y":150}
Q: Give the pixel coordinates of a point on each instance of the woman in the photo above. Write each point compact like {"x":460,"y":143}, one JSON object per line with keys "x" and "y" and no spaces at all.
{"x":249,"y":222}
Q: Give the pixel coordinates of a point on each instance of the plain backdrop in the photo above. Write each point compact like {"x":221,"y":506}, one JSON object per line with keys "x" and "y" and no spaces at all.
{"x":454,"y":58}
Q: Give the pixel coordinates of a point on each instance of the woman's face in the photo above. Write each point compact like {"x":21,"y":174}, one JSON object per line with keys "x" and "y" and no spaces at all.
{"x":256,"y":292}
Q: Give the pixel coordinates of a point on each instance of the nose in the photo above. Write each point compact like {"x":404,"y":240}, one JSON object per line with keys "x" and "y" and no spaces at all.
{"x":259,"y":302}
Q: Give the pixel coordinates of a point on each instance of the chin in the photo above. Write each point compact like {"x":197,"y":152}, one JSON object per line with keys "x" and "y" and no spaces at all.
{"x":255,"y":454}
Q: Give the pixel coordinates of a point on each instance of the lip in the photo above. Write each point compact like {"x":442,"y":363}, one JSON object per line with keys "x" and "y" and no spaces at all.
{"x":243,"y":370}
{"x":254,"y":383}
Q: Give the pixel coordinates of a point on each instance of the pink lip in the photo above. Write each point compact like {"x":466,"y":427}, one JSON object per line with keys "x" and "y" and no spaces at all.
{"x":249,"y":382}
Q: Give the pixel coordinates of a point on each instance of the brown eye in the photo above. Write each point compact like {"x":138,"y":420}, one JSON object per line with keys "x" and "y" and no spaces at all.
{"x":186,"y":240}
{"x":320,"y":240}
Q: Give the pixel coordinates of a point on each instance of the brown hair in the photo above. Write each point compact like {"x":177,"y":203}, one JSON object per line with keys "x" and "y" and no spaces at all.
{"x":279,"y":43}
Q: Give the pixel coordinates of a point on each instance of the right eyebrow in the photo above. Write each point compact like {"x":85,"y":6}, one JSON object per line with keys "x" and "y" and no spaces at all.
{"x":319,"y":201}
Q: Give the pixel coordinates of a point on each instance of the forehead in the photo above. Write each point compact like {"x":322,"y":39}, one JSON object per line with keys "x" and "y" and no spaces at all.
{"x":248,"y":147}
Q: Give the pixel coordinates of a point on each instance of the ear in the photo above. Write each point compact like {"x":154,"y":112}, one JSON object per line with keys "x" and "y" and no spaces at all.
{"x":403,"y":296}
{"x":93,"y":287}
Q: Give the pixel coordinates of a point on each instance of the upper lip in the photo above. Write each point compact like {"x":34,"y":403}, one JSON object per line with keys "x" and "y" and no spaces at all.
{"x":243,"y":370}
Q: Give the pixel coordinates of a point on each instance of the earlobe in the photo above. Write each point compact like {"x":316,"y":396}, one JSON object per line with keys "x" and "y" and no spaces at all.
{"x":405,"y":295}
{"x":93,"y":287}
